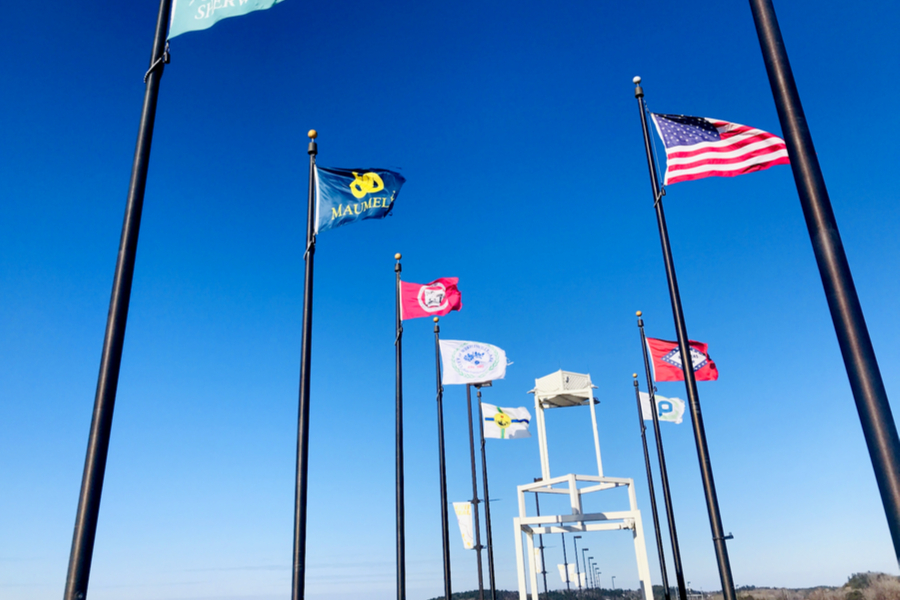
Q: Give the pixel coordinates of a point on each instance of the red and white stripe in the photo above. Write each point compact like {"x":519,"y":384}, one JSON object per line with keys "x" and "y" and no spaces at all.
{"x":741,"y":150}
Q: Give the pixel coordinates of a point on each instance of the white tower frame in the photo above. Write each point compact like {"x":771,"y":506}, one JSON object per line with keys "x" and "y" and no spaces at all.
{"x":559,"y":390}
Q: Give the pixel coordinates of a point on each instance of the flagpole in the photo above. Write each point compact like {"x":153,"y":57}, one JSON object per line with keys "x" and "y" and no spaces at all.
{"x":565,"y":561}
{"x":87,"y":513}
{"x":663,"y":470}
{"x":487,"y":499}
{"x":298,"y":579}
{"x":401,"y":509}
{"x":445,"y":528}
{"x":872,"y":404}
{"x":690,"y":383}
{"x":659,"y":542}
{"x":475,"y":493}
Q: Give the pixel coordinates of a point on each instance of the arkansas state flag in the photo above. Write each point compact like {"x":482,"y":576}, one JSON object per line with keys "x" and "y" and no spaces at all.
{"x":667,"y":365}
{"x":430,"y":300}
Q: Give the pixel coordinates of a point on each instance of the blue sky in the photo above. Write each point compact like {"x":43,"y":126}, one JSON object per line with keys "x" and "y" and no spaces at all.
{"x":518,"y":133}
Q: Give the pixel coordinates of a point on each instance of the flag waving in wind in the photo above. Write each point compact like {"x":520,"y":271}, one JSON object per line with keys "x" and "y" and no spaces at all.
{"x":194,"y":15}
{"x":505,"y":423}
{"x":471,"y":362}
{"x":667,"y":409}
{"x":667,"y":364}
{"x":349,"y":195}
{"x":433,"y":299}
{"x":697,"y":147}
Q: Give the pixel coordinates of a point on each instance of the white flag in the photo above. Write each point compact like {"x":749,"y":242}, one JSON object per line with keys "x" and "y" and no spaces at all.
{"x":464,"y":517}
{"x":667,"y":409}
{"x":505,"y":423}
{"x":538,"y":563}
{"x":571,"y":573}
{"x":471,"y":362}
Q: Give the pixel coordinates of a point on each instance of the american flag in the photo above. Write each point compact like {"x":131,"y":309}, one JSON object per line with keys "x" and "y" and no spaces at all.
{"x":697,"y":147}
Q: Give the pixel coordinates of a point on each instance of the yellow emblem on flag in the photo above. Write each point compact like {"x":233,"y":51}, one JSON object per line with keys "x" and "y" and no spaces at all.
{"x":367,"y":183}
{"x":502,"y":420}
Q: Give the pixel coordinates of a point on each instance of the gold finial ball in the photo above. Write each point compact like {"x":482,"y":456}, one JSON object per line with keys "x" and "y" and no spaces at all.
{"x":436,"y":319}
{"x":313,"y":134}
{"x":638,"y":313}
{"x":398,"y":256}
{"x":634,"y":375}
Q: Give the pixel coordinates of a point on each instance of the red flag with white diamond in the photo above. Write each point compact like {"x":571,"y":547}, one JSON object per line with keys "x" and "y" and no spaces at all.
{"x":667,"y":365}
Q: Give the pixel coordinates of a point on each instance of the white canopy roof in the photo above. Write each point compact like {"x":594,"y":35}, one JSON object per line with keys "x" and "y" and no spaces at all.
{"x":563,"y":388}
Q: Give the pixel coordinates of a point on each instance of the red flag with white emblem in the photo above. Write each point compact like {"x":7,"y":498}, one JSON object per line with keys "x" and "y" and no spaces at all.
{"x":667,"y":364}
{"x":430,"y":300}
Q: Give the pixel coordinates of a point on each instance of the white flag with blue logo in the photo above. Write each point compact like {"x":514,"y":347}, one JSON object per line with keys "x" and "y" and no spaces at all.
{"x":670,"y":410}
{"x":471,"y":362}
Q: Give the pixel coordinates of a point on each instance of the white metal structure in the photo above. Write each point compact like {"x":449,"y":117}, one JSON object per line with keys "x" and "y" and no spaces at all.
{"x":560,"y":390}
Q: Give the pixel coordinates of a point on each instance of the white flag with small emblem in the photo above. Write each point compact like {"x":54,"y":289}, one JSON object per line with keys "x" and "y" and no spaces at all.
{"x":505,"y":423}
{"x":471,"y":362}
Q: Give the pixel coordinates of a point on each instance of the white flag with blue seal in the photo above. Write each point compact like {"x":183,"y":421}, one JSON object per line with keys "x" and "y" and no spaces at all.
{"x":471,"y":362}
{"x":670,"y":410}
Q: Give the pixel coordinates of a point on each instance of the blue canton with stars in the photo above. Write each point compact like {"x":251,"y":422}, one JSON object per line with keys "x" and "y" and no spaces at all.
{"x":679,"y":130}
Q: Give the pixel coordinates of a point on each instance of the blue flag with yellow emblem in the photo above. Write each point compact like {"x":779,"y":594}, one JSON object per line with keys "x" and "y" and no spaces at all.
{"x":349,"y":195}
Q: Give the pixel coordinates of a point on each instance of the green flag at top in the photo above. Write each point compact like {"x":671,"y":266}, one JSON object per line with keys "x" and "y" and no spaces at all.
{"x":193,"y":15}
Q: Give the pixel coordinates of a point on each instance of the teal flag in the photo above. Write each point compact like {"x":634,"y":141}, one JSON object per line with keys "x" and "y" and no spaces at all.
{"x":193,"y":15}
{"x":349,"y":195}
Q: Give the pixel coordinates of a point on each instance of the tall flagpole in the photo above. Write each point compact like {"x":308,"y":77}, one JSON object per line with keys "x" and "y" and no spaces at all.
{"x":475,"y":493}
{"x":87,"y":514}
{"x":659,"y":543}
{"x":663,"y":470}
{"x":487,"y":499}
{"x":298,"y":579}
{"x":690,"y":383}
{"x":871,"y":398}
{"x":401,"y":510}
{"x":445,"y":527}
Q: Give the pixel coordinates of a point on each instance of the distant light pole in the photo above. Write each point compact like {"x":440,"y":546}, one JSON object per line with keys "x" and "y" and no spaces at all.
{"x":584,"y":566}
{"x":591,"y":562}
{"x":577,"y":576}
{"x":614,"y":582}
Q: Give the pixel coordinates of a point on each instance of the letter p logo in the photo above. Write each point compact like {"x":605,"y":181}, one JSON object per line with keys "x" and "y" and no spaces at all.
{"x":665,"y":407}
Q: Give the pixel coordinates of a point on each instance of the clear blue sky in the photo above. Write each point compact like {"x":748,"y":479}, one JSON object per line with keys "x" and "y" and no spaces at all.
{"x":517,"y":130}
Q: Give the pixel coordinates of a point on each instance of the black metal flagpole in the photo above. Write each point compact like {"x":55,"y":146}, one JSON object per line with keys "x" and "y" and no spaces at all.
{"x":565,"y":561}
{"x":298,"y":579}
{"x":87,"y":514}
{"x":445,"y":527}
{"x":659,"y":542}
{"x":690,"y":383}
{"x":487,"y":500}
{"x":401,"y":510}
{"x":475,"y":493}
{"x":871,"y":399}
{"x":663,"y":470}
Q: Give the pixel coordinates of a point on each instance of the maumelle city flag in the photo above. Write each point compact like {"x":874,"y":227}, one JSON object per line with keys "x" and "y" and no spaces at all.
{"x":667,"y":361}
{"x":349,"y":195}
{"x":471,"y":362}
{"x":194,"y":15}
{"x":429,"y":300}
{"x":698,"y":147}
